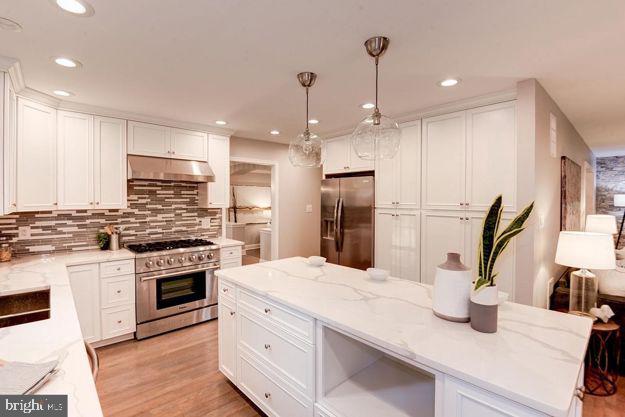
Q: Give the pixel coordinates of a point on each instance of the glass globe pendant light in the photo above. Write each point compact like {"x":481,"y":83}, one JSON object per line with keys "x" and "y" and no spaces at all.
{"x":376,"y":136}
{"x":305,"y":149}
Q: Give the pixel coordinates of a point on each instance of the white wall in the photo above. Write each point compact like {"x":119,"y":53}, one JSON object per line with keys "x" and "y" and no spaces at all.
{"x":540,"y":180}
{"x":299,"y":232}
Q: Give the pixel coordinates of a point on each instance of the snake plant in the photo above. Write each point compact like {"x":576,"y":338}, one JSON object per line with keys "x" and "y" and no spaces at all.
{"x":492,"y":244}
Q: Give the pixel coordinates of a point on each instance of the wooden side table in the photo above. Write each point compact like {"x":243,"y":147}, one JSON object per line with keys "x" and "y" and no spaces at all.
{"x":602,"y":359}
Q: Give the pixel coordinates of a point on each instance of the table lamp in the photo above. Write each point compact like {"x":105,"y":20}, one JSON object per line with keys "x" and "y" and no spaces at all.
{"x":619,"y":201}
{"x":601,"y":223}
{"x":585,"y":250}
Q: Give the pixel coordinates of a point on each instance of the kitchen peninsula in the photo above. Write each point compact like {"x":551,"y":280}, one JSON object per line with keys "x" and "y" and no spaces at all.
{"x":326,"y":341}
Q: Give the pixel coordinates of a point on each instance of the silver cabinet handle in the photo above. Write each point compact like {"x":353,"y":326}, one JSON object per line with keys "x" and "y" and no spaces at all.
{"x":267,"y":346}
{"x":267,"y":395}
{"x":267,"y":310}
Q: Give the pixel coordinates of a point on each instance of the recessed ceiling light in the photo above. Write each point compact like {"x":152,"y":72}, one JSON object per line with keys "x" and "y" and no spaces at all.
{"x":67,"y":62}
{"x":313,"y":121}
{"x":313,"y":136}
{"x":63,"y":93}
{"x":8,"y":24}
{"x":221,"y":122}
{"x":367,"y":106}
{"x":76,"y":7}
{"x":449,"y":82}
{"x":274,"y":132}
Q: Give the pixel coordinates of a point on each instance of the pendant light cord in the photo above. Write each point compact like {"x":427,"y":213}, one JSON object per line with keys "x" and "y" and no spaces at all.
{"x":376,"y":83}
{"x":307,"y":109}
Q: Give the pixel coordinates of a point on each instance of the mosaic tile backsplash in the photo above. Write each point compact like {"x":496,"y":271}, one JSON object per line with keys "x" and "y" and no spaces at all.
{"x":157,"y":210}
{"x":610,"y":181}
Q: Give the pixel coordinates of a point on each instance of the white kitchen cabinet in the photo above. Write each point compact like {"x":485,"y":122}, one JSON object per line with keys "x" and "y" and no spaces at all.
{"x":443,"y":161}
{"x":118,"y":321}
{"x":188,"y":144}
{"x":149,"y":140}
{"x":398,"y":180}
{"x":397,"y":242}
{"x":74,"y":160}
{"x":491,"y":156}
{"x":110,"y":179}
{"x":166,"y":142}
{"x":9,"y":131}
{"x":341,"y":158}
{"x":85,"y":283}
{"x":441,"y":232}
{"x":36,"y":156}
{"x":227,"y":338}
{"x":217,"y":194}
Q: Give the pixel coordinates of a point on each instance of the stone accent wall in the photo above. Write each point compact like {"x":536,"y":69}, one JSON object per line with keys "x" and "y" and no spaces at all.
{"x":610,"y":181}
{"x":157,"y":210}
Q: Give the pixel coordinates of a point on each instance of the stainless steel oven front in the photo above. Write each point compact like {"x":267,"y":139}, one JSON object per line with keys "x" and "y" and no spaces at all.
{"x":178,"y":290}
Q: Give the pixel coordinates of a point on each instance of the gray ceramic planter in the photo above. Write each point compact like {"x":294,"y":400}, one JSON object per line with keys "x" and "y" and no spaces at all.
{"x":483,"y":309}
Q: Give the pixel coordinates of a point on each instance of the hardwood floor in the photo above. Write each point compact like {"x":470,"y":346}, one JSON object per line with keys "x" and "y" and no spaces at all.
{"x":176,"y":375}
{"x":171,"y":375}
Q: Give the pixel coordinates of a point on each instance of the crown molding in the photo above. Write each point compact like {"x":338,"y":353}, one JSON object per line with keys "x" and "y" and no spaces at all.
{"x":408,"y":119}
{"x":13,"y":68}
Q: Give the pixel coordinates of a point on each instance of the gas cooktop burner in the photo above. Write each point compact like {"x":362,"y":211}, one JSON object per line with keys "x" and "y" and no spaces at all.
{"x":169,"y":245}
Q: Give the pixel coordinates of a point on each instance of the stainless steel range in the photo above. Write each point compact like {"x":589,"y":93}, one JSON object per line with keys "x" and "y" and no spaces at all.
{"x":176,"y":284}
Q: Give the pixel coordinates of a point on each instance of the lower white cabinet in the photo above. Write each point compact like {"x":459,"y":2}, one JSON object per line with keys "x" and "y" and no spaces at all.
{"x":104,"y":295}
{"x":227,"y":338}
{"x":230,"y":257}
{"x":397,"y":242}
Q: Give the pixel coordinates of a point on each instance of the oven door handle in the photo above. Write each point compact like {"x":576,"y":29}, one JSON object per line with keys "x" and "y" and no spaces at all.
{"x":173,"y":274}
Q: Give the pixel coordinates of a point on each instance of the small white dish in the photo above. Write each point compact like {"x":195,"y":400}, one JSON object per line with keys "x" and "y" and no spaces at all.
{"x":503,"y":297}
{"x":378,"y":274}
{"x":316,"y":260}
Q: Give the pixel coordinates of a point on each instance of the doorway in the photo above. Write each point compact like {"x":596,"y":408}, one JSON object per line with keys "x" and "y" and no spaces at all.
{"x":252,"y":216}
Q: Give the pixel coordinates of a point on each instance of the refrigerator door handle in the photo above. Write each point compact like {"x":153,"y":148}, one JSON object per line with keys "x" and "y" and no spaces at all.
{"x":336,"y":225}
{"x":339,"y":225}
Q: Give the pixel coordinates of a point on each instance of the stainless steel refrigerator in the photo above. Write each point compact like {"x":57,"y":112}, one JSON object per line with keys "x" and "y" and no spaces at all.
{"x":347,"y":216}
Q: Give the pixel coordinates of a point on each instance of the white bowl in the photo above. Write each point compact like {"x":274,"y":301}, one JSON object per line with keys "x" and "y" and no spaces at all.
{"x":377,"y":274}
{"x":316,"y":260}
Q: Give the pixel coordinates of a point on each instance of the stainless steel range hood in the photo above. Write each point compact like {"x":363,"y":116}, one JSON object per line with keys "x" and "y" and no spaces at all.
{"x":152,"y":168}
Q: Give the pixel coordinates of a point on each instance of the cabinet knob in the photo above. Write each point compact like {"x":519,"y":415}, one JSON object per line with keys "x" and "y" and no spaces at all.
{"x":267,"y":346}
{"x":267,"y":395}
{"x":232,"y":313}
{"x":119,"y":322}
{"x":91,"y":203}
{"x":97,"y":203}
{"x":267,"y":310}
{"x":118,"y":291}
{"x":225,"y":289}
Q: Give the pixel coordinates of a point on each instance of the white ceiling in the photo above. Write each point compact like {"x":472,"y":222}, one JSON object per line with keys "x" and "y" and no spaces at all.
{"x":236,"y":60}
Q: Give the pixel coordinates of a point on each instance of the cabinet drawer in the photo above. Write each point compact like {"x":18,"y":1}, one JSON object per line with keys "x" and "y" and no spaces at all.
{"x":115,"y":268}
{"x":230,"y":263}
{"x":117,"y":321}
{"x":265,"y":390}
{"x":117,"y":291}
{"x":232,"y":252}
{"x":227,"y":290}
{"x":286,"y":355}
{"x":283,"y":317}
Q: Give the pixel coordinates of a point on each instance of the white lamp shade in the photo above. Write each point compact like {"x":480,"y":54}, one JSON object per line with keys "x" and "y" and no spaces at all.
{"x":601,"y":223}
{"x":586,"y":250}
{"x":619,"y":200}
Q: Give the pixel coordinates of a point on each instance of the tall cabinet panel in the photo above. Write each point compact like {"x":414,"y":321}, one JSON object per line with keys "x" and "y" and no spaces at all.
{"x":110,"y":166}
{"x":443,"y":163}
{"x":85,"y":283}
{"x":386,"y":250}
{"x":75,"y":160}
{"x":36,"y":156}
{"x":491,"y":156}
{"x":441,"y":232}
{"x":10,"y":147}
{"x":217,"y":194}
{"x":397,"y":242}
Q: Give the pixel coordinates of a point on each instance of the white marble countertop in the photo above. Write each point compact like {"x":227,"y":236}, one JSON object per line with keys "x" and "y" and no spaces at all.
{"x":60,"y":335}
{"x":224,"y":242}
{"x":534,"y":358}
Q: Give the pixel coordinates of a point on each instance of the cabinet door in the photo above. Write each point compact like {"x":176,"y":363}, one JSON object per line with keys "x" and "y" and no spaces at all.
{"x":187,"y":144}
{"x":219,"y":160}
{"x":409,"y":167}
{"x":336,"y":159}
{"x":491,"y":156}
{"x":36,"y":156}
{"x":386,"y":172}
{"x":110,"y":178}
{"x":443,"y":161}
{"x":10,"y":147}
{"x":84,"y":281}
{"x":441,"y":232}
{"x":408,"y":235}
{"x":505,"y":265}
{"x":385,"y":241}
{"x":75,"y":160}
{"x":149,"y":140}
{"x":355,"y":163}
{"x":228,"y":353}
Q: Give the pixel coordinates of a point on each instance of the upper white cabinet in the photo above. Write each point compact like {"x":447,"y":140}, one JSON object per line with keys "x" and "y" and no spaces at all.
{"x":36,"y":156}
{"x":9,"y":134}
{"x":217,"y":194}
{"x":110,"y":179}
{"x":469,"y":157}
{"x":397,"y":180}
{"x":491,"y":159}
{"x":341,"y":158}
{"x":166,"y":142}
{"x":397,"y":242}
{"x":75,"y":160}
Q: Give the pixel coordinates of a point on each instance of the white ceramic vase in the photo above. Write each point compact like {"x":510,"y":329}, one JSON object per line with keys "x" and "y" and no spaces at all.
{"x":452,"y":290}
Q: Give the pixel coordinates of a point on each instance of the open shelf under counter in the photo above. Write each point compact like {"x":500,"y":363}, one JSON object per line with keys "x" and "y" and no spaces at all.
{"x":358,"y":379}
